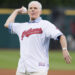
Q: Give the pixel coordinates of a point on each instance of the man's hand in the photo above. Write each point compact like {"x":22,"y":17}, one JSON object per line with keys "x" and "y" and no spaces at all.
{"x":21,"y":10}
{"x":65,"y":52}
{"x":12,"y":17}
{"x":66,"y":56}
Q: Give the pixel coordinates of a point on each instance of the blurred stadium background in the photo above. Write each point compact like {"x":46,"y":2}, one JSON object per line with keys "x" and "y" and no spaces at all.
{"x":59,"y":12}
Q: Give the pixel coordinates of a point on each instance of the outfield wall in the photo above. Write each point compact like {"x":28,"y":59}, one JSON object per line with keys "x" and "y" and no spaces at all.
{"x":11,"y":41}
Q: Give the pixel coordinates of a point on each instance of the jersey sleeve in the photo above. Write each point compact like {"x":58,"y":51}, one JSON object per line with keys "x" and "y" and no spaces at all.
{"x":52,"y":31}
{"x":14,"y":28}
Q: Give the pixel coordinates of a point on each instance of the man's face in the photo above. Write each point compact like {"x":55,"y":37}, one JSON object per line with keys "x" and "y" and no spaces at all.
{"x":34,"y":11}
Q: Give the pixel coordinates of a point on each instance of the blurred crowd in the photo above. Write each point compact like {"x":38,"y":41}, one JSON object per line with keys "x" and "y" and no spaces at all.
{"x":66,"y":26}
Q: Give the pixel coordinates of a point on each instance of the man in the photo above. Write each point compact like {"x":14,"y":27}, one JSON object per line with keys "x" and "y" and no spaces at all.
{"x":34,"y":39}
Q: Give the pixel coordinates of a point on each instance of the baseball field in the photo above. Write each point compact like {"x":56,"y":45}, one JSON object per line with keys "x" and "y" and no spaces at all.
{"x":9,"y":59}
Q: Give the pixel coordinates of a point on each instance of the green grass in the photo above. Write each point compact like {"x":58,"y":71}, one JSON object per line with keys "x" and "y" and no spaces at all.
{"x":57,"y":61}
{"x":9,"y":59}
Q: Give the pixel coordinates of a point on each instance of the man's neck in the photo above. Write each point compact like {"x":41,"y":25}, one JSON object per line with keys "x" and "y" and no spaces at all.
{"x":35,"y":20}
{"x":32,"y":19}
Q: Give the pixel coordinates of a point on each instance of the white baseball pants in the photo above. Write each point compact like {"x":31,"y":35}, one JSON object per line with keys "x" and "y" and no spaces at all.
{"x":32,"y":73}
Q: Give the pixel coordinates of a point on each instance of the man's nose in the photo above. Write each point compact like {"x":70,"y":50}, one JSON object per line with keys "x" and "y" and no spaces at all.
{"x":33,"y":9}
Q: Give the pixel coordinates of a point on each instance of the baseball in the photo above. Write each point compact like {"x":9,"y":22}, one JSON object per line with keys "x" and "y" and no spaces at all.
{"x":24,"y":9}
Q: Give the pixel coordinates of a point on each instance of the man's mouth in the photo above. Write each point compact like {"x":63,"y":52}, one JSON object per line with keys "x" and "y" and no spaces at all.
{"x":32,"y":13}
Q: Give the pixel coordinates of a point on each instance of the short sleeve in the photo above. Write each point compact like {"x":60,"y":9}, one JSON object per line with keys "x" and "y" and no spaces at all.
{"x":14,"y":28}
{"x":52,"y":31}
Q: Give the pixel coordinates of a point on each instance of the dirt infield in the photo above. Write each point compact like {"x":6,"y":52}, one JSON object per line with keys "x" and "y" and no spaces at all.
{"x":51,"y":72}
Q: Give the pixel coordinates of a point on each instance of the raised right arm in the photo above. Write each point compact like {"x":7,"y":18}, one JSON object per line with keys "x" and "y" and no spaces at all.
{"x":12,"y":17}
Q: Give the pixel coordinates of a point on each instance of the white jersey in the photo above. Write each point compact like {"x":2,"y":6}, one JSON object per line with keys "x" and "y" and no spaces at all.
{"x":34,"y":40}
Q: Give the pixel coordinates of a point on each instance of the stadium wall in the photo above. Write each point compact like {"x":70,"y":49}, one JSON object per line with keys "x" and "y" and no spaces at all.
{"x":8,"y":40}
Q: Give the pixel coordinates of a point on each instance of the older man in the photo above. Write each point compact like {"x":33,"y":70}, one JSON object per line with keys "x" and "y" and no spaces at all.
{"x":34,"y":37}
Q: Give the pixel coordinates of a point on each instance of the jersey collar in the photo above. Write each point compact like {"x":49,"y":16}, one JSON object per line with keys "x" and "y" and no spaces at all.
{"x":36,"y":20}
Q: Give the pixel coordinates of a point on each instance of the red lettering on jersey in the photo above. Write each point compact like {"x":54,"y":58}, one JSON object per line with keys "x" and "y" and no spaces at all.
{"x":30,"y":32}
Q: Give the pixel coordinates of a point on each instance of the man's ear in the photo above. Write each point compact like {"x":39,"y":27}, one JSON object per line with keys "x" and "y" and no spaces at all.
{"x":40,"y":12}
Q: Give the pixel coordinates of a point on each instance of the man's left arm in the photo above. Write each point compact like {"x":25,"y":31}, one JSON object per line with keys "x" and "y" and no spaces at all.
{"x":65,"y":52}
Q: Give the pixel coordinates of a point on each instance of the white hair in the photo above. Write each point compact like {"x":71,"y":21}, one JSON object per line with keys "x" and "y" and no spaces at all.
{"x":37,"y":2}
